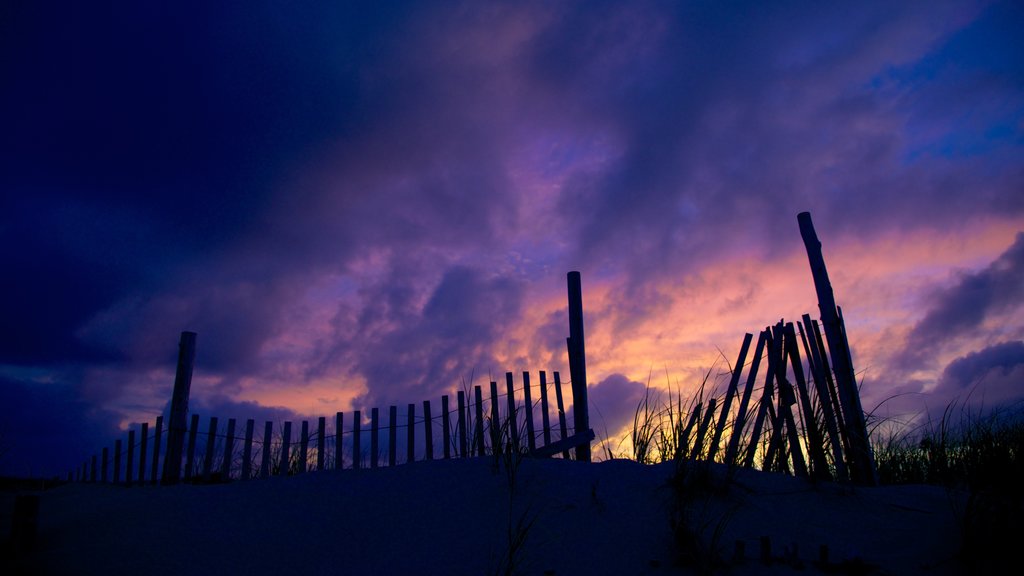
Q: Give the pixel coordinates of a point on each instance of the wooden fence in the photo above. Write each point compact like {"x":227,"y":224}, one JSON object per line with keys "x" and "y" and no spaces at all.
{"x":472,"y":426}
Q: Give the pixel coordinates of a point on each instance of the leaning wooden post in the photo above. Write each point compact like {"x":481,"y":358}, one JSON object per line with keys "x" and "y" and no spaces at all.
{"x":862,"y":465}
{"x":741,"y":414}
{"x":729,"y":394}
{"x":179,"y":407}
{"x":578,"y":363}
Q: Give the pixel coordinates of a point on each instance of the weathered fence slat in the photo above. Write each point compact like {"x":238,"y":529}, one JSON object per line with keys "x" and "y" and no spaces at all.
{"x":563,"y":445}
{"x":154,"y":476}
{"x":702,"y":430}
{"x":531,"y":440}
{"x":767,"y":398}
{"x":143,"y":444}
{"x":286,"y":443}
{"x":129,"y":469}
{"x":545,"y":418}
{"x":446,"y":429}
{"x":730,"y":392}
{"x":495,"y":419}
{"x":478,"y":435}
{"x":117,"y":461}
{"x":816,"y":446}
{"x":392,"y":435}
{"x":741,"y":414}
{"x":510,"y":419}
{"x":787,"y":398}
{"x":250,"y":426}
{"x":268,"y":436}
{"x":211,"y":439}
{"x":190,"y":461}
{"x":563,"y":428}
{"x":374,"y":437}
{"x":428,"y":432}
{"x":823,"y":397}
{"x":357,"y":452}
{"x":321,"y":441}
{"x":339,"y":430}
{"x":303,"y":446}
{"x":229,"y":447}
{"x":410,"y":449}
{"x":460,"y":425}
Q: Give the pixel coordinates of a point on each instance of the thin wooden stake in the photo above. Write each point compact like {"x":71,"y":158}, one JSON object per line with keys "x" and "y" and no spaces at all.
{"x":410,"y":449}
{"x":211,"y":438}
{"x":428,"y":431}
{"x":815,"y":444}
{"x":730,"y":392}
{"x":303,"y":447}
{"x":741,"y":414}
{"x":250,"y":428}
{"x":446,"y":428}
{"x":392,"y":436}
{"x":339,"y":431}
{"x":268,"y":436}
{"x":513,"y":427}
{"x":321,"y":442}
{"x":461,"y":424}
{"x":130,"y":468}
{"x":478,"y":434}
{"x":561,"y":413}
{"x":190,"y":457}
{"x":154,"y":475}
{"x":284,"y":466}
{"x":495,"y":434}
{"x":106,"y":463}
{"x":357,"y":433}
{"x":531,"y":440}
{"x":143,"y":445}
{"x":374,"y":437}
{"x":545,"y":418}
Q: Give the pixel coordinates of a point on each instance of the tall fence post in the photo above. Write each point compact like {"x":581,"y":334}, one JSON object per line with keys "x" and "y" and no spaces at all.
{"x":179,"y":407}
{"x":862,"y":464}
{"x":578,"y":363}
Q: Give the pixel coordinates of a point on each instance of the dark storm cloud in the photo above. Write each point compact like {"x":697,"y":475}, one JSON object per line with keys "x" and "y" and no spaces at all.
{"x":46,"y":427}
{"x":959,"y":310}
{"x":990,"y":377}
{"x":408,"y":354}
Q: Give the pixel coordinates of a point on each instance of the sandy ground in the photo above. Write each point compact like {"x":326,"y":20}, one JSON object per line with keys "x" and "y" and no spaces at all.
{"x":466,"y":517}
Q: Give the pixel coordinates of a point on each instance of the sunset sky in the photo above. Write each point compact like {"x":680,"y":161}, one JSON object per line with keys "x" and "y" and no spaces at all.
{"x":358,"y":206}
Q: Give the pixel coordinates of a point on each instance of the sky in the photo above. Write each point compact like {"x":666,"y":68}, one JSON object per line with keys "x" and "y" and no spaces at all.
{"x":366,"y":204}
